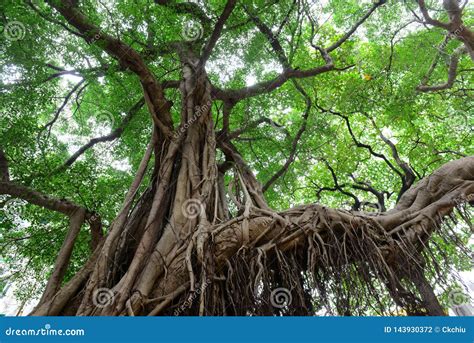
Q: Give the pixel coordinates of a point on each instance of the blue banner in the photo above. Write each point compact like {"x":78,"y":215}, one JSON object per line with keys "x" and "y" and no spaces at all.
{"x":237,"y":329}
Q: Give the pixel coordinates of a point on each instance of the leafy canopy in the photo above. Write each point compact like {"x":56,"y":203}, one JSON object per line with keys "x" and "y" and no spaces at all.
{"x":46,"y":67}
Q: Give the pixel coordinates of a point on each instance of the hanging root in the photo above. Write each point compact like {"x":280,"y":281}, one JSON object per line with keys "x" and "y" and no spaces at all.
{"x":308,"y":260}
{"x":315,"y":260}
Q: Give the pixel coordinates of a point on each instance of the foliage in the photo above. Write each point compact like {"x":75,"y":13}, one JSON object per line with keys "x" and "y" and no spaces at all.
{"x":386,"y":60}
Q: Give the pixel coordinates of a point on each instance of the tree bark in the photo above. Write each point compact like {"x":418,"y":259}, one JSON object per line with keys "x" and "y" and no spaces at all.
{"x":186,"y":246}
{"x":178,"y":242}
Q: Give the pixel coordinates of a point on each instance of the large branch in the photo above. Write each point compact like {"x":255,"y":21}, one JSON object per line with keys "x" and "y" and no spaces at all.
{"x":36,"y":198}
{"x":428,"y":19}
{"x":64,"y":256}
{"x":452,"y":73}
{"x":349,"y":33}
{"x":128,"y":57}
{"x":456,"y":29}
{"x":455,"y":26}
{"x":234,"y":95}
{"x":77,"y":216}
{"x":217,"y":31}
{"x":92,"y":33}
{"x":31,"y":196}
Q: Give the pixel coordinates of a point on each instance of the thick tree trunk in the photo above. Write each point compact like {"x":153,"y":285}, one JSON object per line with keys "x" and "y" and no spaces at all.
{"x":189,"y":245}
{"x":177,"y":252}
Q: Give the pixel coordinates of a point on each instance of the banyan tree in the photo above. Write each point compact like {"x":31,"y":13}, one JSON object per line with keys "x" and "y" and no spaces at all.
{"x":236,"y":157}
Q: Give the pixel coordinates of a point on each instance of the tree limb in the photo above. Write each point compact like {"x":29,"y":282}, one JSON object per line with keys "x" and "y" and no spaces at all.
{"x":288,"y":72}
{"x":270,"y":85}
{"x":36,"y":198}
{"x":52,"y":20}
{"x":50,"y":124}
{"x":427,"y":17}
{"x":357,"y":142}
{"x":159,"y":107}
{"x":338,"y":187}
{"x":452,"y":73}
{"x":455,"y":26}
{"x":77,"y":216}
{"x":4,"y":173}
{"x":253,"y":124}
{"x":217,"y":32}
{"x":272,"y":39}
{"x":64,"y":256}
{"x":367,"y":187}
{"x":110,"y":137}
{"x":349,"y":33}
{"x":408,"y":177}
